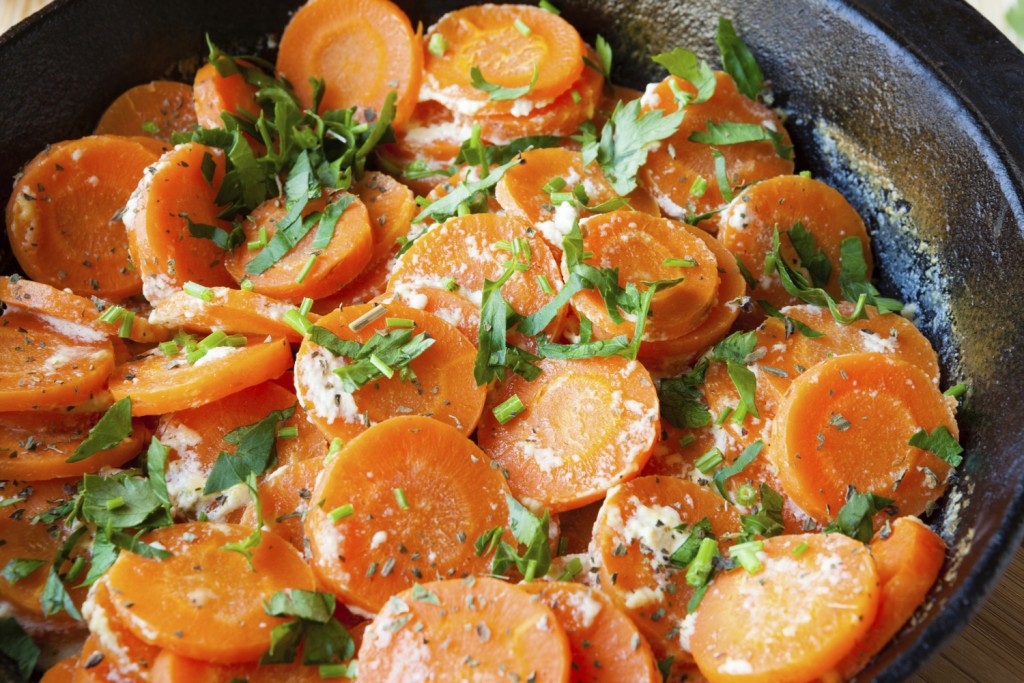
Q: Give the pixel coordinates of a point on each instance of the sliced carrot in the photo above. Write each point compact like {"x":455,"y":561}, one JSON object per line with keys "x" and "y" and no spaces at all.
{"x":390,"y":206}
{"x":721,"y":395}
{"x":606,"y":645}
{"x":431,"y":139}
{"x":793,"y":619}
{"x":196,"y":437}
{"x":170,"y":194}
{"x":21,"y":539}
{"x":890,"y":334}
{"x":61,"y":672}
{"x":641,"y":247}
{"x":215,"y":95}
{"x":235,"y":311}
{"x":586,"y":426}
{"x":521,"y":192}
{"x":50,"y":364}
{"x":636,"y":532}
{"x":285,"y":497}
{"x":362,"y":49}
{"x":161,"y":384}
{"x":174,"y":668}
{"x":672,"y":169}
{"x":465,"y":250}
{"x":747,"y":226}
{"x":112,"y":652}
{"x":677,"y":451}
{"x":455,"y":310}
{"x":204,"y":601}
{"x":486,"y":37}
{"x":847,"y":422}
{"x":481,"y":629}
{"x":443,"y":386}
{"x":35,"y":446}
{"x":368,"y":285}
{"x":45,"y":300}
{"x":347,"y":253}
{"x":156,"y":109}
{"x":672,"y":356}
{"x":366,"y":546}
{"x":63,"y":218}
{"x":909,"y":561}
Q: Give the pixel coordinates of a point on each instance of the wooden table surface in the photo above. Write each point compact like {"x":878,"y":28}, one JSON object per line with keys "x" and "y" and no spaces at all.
{"x":990,"y":649}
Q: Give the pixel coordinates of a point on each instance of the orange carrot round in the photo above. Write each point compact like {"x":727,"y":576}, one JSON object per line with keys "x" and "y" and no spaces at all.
{"x":204,"y":601}
{"x":285,"y":496}
{"x":442,"y":388}
{"x":794,"y":618}
{"x":170,"y":667}
{"x":61,"y":672}
{"x":235,"y":311}
{"x":390,"y":206}
{"x":362,"y":49}
{"x":606,"y":645}
{"x":156,"y":109}
{"x":468,"y":630}
{"x":847,"y":422}
{"x":455,"y":310}
{"x":215,"y":94}
{"x":368,"y":285}
{"x":586,"y":425}
{"x":170,"y":194}
{"x":112,"y":652}
{"x":431,"y":138}
{"x":376,"y":523}
{"x":63,"y":218}
{"x":161,"y":384}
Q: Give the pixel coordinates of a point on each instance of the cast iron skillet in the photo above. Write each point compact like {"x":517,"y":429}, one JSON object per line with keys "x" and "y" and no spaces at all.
{"x":921,"y":102}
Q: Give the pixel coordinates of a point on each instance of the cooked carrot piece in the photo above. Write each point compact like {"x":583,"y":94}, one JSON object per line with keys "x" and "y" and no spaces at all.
{"x":479,"y":629}
{"x":430,"y":140}
{"x":215,"y":94}
{"x":156,"y":109}
{"x":908,"y":561}
{"x":672,"y":169}
{"x":486,"y":37}
{"x":204,"y":601}
{"x":171,"y":667}
{"x":159,"y":384}
{"x":390,"y":206}
{"x":235,"y":311}
{"x":368,"y":285}
{"x":377,"y":522}
{"x":50,"y":364}
{"x":63,"y":218}
{"x":23,"y":540}
{"x":455,"y":310}
{"x":747,"y":226}
{"x":171,"y":194}
{"x":586,"y":425}
{"x":848,"y":422}
{"x":794,"y":618}
{"x":112,"y":652}
{"x":305,"y":271}
{"x":643,"y":247}
{"x":521,"y":192}
{"x":196,"y":437}
{"x":441,"y":385}
{"x":720,"y":394}
{"x":61,"y":672}
{"x":637,"y":530}
{"x":606,"y":645}
{"x":889,"y":333}
{"x":285,"y":498}
{"x":671,"y":356}
{"x":34,"y":446}
{"x":362,"y":49}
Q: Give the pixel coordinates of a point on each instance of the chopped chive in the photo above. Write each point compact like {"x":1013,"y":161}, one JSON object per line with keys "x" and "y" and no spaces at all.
{"x":115,"y":503}
{"x":723,"y":416}
{"x":450,"y":285}
{"x":338,"y":670}
{"x":112,"y":314}
{"x":384,"y":368}
{"x":679,"y":263}
{"x":253,"y":246}
{"x":531,"y":569}
{"x":213,"y":340}
{"x":746,"y":494}
{"x":341,"y":512}
{"x":699,"y":570}
{"x":198,"y":291}
{"x":463,"y":209}
{"x":740,"y":414}
{"x":545,"y":286}
{"x":572,"y":569}
{"x":561,"y":197}
{"x":746,"y":555}
{"x":508,"y":409}
{"x":799,"y":550}
{"x":335,"y":447}
{"x":554,"y":185}
{"x":576,"y":97}
{"x":522,"y":27}
{"x":548,"y":7}
{"x":308,"y":266}
{"x":193,"y":356}
{"x":246,"y":284}
{"x":236,"y":341}
{"x":400,"y":497}
{"x":297,"y":321}
{"x":367,"y":318}
{"x":699,"y":187}
{"x":957,"y":390}
{"x":287,"y":432}
{"x":76,"y":569}
{"x":150,"y":127}
{"x":805,"y":174}
{"x":580,"y":193}
{"x":263,"y":239}
{"x":687,"y":440}
{"x":169,"y":348}
{"x":563,"y":545}
{"x":438,"y":45}
{"x":306,"y":306}
{"x":400,"y":323}
{"x":709,"y":460}
{"x":127,"y":320}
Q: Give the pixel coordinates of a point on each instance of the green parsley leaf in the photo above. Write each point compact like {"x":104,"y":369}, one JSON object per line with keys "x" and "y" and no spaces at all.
{"x":681,"y":400}
{"x":137,"y":498}
{"x":855,"y":518}
{"x":767,"y":521}
{"x":19,"y":647}
{"x":55,"y":596}
{"x":940,"y":442}
{"x":812,"y":258}
{"x":737,"y":347}
{"x":447,"y":206}
{"x":321,"y":336}
{"x":686,"y":65}
{"x":729,"y":133}
{"x":114,"y":427}
{"x":19,"y":567}
{"x":334,"y":211}
{"x":737,"y":60}
{"x":531,"y":531}
{"x":394,"y":348}
{"x":256,"y":452}
{"x":322,"y":638}
{"x":223,"y":239}
{"x":853,"y":280}
{"x":253,"y":540}
{"x":603,"y":65}
{"x":687,"y":550}
{"x":745,"y":382}
{"x":497,"y":93}
{"x":746,"y":457}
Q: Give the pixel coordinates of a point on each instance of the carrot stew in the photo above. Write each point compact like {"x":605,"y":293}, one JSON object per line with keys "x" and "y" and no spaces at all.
{"x":423,"y":354}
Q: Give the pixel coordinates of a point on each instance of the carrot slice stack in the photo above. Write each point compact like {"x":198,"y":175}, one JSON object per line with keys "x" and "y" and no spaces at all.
{"x":215,"y":94}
